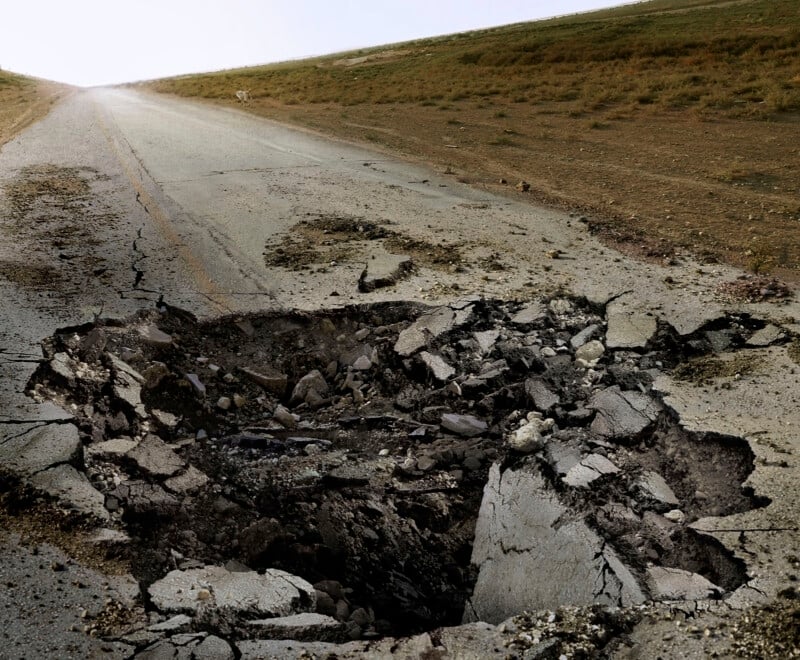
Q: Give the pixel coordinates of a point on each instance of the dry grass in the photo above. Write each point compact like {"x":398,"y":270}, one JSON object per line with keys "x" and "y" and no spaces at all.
{"x":24,"y":100}
{"x":672,"y":122}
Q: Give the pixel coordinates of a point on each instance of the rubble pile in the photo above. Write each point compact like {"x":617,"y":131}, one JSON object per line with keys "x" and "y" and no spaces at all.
{"x":389,"y":469}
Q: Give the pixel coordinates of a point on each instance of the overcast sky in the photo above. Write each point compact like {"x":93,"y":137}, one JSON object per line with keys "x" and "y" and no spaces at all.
{"x":93,"y":42}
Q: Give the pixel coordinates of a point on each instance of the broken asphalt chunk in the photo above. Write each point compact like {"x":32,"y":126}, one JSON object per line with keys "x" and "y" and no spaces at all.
{"x":269,"y":379}
{"x":622,"y":414}
{"x":463,"y":425}
{"x":274,"y":593}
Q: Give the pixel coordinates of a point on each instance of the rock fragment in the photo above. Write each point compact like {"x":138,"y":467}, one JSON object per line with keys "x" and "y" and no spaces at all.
{"x":622,"y":414}
{"x":152,"y":334}
{"x":269,"y":379}
{"x":154,"y":458}
{"x":310,"y":388}
{"x":274,"y":593}
{"x":438,"y":368}
{"x":463,"y":425}
{"x":675,"y":584}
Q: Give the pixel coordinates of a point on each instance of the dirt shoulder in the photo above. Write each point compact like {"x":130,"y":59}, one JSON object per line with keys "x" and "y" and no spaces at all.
{"x":722,"y":189}
{"x":24,"y":101}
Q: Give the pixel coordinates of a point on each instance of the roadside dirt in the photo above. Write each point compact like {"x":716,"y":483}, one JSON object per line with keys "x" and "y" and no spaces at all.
{"x":23,"y":101}
{"x":723,"y":189}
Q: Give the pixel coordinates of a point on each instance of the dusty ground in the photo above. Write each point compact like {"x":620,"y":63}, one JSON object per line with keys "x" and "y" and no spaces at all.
{"x":23,"y":101}
{"x":725,"y":189}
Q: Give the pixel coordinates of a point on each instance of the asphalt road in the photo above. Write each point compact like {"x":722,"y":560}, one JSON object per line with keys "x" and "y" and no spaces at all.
{"x":117,"y":200}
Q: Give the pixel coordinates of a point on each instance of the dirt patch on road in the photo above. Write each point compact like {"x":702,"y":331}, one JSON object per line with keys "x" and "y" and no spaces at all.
{"x":53,"y":220}
{"x":322,"y":239}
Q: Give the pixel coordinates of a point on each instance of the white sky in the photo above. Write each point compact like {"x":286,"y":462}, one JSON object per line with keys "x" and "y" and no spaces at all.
{"x":93,"y":42}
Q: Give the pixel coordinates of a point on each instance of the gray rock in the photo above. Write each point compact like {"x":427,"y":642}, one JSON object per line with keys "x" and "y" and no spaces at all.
{"x":530,"y":313}
{"x":437,"y":366}
{"x":532,"y":553}
{"x":112,"y":449}
{"x":674,"y":584}
{"x":284,"y":417}
{"x":155,"y":336}
{"x":283,"y":649}
{"x":127,"y":384}
{"x":269,"y":379}
{"x":154,"y":458}
{"x":486,"y":340}
{"x":166,"y":419}
{"x":213,"y":648}
{"x":197,"y":385}
{"x":463,"y":425}
{"x":768,"y":335}
{"x":560,"y":306}
{"x":307,"y":626}
{"x":310,"y":387}
{"x":72,"y":489}
{"x":651,"y":487}
{"x":540,"y":395}
{"x":430,"y":326}
{"x":191,"y":480}
{"x":224,"y":403}
{"x":42,"y":447}
{"x":64,"y":367}
{"x":588,"y":470}
{"x":628,"y":327}
{"x":590,"y":351}
{"x":584,"y":335}
{"x":384,"y":269}
{"x":622,"y":414}
{"x":275,"y":593}
{"x":177,"y":624}
{"x":362,"y":363}
{"x":143,"y":498}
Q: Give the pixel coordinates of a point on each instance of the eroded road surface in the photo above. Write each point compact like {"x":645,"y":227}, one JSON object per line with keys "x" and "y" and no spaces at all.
{"x":263,"y":394}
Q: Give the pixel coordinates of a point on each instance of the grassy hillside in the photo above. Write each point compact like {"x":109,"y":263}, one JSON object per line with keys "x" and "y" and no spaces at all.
{"x":737,"y":57}
{"x":674,"y":123}
{"x":22,"y":101}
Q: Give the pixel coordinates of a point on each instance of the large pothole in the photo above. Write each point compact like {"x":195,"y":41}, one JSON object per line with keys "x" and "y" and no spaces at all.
{"x":362,"y":448}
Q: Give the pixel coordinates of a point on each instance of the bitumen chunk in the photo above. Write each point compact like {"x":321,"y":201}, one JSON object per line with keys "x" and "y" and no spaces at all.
{"x":768,"y":335}
{"x":675,"y":584}
{"x":42,"y":447}
{"x":308,"y":626}
{"x":430,"y":326}
{"x":155,"y":458}
{"x":622,"y":414}
{"x":652,"y":488}
{"x":542,"y":397}
{"x":72,"y":489}
{"x":271,"y":594}
{"x":531,"y":555}
{"x":628,"y":327}
{"x":464,"y":425}
{"x":127,"y":384}
{"x":269,"y":379}
{"x":438,"y":368}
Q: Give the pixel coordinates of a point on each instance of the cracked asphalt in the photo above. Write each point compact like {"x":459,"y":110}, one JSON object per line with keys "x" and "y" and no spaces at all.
{"x":117,"y":200}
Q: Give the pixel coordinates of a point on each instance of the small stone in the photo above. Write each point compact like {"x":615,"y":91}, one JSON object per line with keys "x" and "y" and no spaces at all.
{"x":196,"y":384}
{"x":675,"y":515}
{"x":528,"y":437}
{"x":590,"y":352}
{"x":239,"y":401}
{"x":269,"y":379}
{"x":224,"y":403}
{"x":284,"y":417}
{"x":362,"y":363}
{"x":155,"y":336}
{"x":523,"y":186}
{"x":313,"y":384}
{"x":464,"y":425}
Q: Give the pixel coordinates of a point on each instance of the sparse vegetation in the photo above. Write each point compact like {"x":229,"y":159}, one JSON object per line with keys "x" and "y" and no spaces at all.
{"x":698,"y":102}
{"x":22,"y":101}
